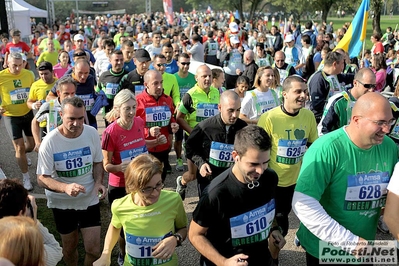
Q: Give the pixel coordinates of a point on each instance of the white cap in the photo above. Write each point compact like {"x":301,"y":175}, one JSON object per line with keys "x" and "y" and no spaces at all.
{"x":233,"y":27}
{"x":289,"y":38}
{"x":78,"y":37}
{"x":234,"y":40}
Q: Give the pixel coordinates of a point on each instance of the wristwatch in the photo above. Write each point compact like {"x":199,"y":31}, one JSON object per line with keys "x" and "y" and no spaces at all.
{"x":179,"y":239}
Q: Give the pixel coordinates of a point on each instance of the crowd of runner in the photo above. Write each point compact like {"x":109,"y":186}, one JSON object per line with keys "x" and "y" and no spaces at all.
{"x":269,"y":116}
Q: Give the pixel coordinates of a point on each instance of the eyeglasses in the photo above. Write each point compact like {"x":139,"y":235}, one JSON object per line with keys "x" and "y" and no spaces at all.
{"x":79,"y":41}
{"x":161,"y":65}
{"x":185,"y":63}
{"x":279,"y":60}
{"x":382,"y":123}
{"x":367,"y":86}
{"x":149,"y":190}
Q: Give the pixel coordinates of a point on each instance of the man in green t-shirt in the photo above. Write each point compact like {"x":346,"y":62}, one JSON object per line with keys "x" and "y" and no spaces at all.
{"x":186,"y":80}
{"x":337,"y":112}
{"x":342,"y":184}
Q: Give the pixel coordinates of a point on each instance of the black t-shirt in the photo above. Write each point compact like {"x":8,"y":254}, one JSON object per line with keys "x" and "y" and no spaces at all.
{"x":132,"y":81}
{"x":238,"y":218}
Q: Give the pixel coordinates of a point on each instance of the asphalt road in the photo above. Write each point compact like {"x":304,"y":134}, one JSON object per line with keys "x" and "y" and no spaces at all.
{"x":188,"y":256}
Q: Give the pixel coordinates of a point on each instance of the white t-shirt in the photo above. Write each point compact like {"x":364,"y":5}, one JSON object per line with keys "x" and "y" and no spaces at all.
{"x":70,"y":160}
{"x":256,"y":103}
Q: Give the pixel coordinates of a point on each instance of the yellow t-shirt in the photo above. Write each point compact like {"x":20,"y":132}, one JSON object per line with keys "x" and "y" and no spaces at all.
{"x":14,"y":91}
{"x":289,"y":135}
{"x":40,"y":89}
{"x":51,"y":57}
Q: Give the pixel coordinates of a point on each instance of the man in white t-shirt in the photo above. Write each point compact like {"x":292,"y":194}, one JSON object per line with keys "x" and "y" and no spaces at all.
{"x":70,"y":169}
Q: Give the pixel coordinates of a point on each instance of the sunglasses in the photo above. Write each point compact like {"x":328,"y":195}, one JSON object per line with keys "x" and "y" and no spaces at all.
{"x":80,"y":54}
{"x":161,"y":65}
{"x":185,"y":63}
{"x":368,"y":86}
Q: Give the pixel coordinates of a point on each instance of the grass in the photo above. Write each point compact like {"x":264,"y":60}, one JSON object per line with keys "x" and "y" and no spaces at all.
{"x":386,"y":21}
{"x":45,"y":215}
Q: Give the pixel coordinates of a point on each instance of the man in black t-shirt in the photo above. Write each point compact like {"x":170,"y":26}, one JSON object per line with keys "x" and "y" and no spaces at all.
{"x":234,"y":222}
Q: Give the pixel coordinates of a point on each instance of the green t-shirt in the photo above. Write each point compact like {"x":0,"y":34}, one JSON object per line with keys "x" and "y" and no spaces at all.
{"x":197,"y":105}
{"x":171,"y":87}
{"x":145,"y":226}
{"x":185,"y":83}
{"x":349,"y":182}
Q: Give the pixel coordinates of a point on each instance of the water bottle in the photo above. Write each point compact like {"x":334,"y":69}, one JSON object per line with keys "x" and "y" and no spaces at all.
{"x":2,"y":174}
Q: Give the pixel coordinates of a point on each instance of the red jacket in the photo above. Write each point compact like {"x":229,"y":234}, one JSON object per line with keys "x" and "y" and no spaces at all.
{"x":144,"y":100}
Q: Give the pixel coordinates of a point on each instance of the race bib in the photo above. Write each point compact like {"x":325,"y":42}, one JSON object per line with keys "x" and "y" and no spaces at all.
{"x":88,"y":99}
{"x":366,"y":191}
{"x":19,"y":96}
{"x":220,"y":154}
{"x":128,"y":155}
{"x":73,"y":163}
{"x":283,"y":75}
{"x":335,"y":87}
{"x":263,"y":62}
{"x":183,"y":90}
{"x":290,"y":151}
{"x":253,"y":226}
{"x":236,"y":59}
{"x":206,"y":110}
{"x":110,"y":89}
{"x":138,"y":89}
{"x":139,"y":250}
{"x":265,"y":104}
{"x":15,"y":50}
{"x":157,"y":116}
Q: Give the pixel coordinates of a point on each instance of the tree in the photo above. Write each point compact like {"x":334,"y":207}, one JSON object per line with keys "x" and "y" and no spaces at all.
{"x":377,"y":8}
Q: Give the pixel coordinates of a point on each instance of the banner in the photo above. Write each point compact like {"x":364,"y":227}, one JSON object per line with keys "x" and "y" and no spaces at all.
{"x":356,"y":34}
{"x":168,"y":9}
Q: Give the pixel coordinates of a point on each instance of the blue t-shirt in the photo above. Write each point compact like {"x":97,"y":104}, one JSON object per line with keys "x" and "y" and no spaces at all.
{"x":171,"y":68}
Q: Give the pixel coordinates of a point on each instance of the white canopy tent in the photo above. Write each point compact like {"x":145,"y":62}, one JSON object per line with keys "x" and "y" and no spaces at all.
{"x":22,"y":13}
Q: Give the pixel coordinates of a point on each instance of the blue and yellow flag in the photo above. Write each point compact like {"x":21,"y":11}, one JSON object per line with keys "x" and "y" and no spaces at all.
{"x":356,"y":34}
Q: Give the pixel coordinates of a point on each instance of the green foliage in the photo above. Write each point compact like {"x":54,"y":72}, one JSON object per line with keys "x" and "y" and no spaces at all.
{"x":386,"y":21}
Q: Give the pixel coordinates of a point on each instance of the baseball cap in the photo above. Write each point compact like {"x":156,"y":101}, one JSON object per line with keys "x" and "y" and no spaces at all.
{"x":78,"y":37}
{"x":289,"y":38}
{"x":234,"y":39}
{"x":142,"y":55}
{"x":233,"y":27}
{"x":45,"y":66}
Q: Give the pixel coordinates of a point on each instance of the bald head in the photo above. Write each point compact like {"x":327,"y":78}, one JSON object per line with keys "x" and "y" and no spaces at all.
{"x":201,"y":69}
{"x":229,"y":107}
{"x":363,"y":72}
{"x":229,"y":95}
{"x":371,"y":120}
{"x":150,"y":74}
{"x":371,"y":103}
{"x":82,"y":63}
{"x":249,"y":55}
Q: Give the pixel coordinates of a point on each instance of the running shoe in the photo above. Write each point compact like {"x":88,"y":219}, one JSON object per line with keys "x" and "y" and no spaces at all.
{"x":179,"y":165}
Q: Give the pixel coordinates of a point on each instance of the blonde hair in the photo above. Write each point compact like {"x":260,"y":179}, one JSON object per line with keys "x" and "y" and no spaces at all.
{"x":21,"y":241}
{"x":259,"y":74}
{"x":122,"y":97}
{"x":140,"y":171}
{"x":276,"y":81}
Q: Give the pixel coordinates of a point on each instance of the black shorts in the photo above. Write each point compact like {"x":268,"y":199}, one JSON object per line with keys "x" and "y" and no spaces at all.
{"x":179,"y":135}
{"x":16,"y":125}
{"x":69,"y":220}
{"x":115,"y":193}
